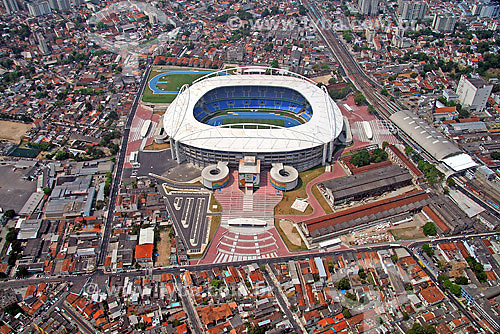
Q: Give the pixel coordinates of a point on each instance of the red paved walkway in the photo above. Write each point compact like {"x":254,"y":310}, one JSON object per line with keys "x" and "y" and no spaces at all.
{"x":135,"y":141}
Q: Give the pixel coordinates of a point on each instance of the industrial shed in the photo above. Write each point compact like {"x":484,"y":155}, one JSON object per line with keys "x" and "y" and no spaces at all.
{"x":425,"y":135}
{"x":369,"y":183}
{"x":432,"y":141}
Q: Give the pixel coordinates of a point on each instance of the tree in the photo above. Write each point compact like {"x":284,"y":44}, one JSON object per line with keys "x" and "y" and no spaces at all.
{"x":427,"y":249}
{"x":443,"y":277}
{"x":347,"y":36}
{"x":371,"y":109}
{"x":454,"y":288}
{"x":302,"y":10}
{"x":495,"y":155}
{"x":343,"y":284}
{"x":362,"y":274}
{"x":461,"y":280}
{"x":359,"y":98}
{"x":477,"y":268}
{"x":360,"y":158}
{"x":384,"y":92}
{"x":408,"y":150}
{"x":47,"y":191}
{"x":275,"y":64}
{"x":62,"y":155}
{"x":430,"y":229}
{"x":215,"y":283}
{"x":11,"y":235}
{"x":418,"y":329}
{"x":10,"y":214}
{"x":351,"y":296}
{"x":21,"y":272}
{"x":346,"y":313}
{"x":13,"y":309}
{"x":451,"y":182}
{"x":378,"y":155}
{"x":463,"y":113}
{"x":384,"y":144}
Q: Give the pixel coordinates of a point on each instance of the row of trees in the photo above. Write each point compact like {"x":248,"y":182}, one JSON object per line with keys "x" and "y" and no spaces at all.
{"x":432,"y":174}
{"x":363,"y":157}
{"x":477,"y":268}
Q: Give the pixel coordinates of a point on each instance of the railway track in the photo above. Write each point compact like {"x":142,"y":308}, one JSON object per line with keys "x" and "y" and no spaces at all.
{"x":352,"y":69}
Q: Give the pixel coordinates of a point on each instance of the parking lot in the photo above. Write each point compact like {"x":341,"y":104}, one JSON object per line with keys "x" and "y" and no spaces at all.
{"x":14,"y":190}
{"x":188,"y":212}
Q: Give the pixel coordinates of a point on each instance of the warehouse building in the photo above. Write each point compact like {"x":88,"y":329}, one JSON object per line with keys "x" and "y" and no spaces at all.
{"x":370,"y":183}
{"x":345,"y":221}
{"x":432,"y":141}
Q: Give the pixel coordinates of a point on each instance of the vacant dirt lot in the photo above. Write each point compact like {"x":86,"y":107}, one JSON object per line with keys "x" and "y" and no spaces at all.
{"x":163,"y":258}
{"x":13,"y":131}
{"x":290,"y":232}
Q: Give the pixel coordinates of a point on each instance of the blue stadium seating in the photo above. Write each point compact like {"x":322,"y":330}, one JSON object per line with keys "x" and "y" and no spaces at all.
{"x":252,"y":97}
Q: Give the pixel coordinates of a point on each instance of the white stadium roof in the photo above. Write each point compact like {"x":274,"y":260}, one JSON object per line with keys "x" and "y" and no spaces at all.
{"x":323,"y":127}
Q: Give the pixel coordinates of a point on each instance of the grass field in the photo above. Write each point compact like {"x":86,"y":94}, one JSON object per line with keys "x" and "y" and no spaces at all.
{"x":269,"y":121}
{"x":284,"y":207}
{"x":214,"y":225}
{"x":175,"y":82}
{"x":321,"y":200}
{"x":214,"y":204}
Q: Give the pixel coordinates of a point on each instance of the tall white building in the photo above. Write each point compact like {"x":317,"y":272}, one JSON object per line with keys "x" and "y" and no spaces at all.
{"x":39,"y":8}
{"x":368,"y":7}
{"x":11,"y":6}
{"x":486,"y":8}
{"x":61,"y":5}
{"x":411,"y":10}
{"x":64,"y":5}
{"x":444,"y":22}
{"x":42,"y":44}
{"x":473,"y":93}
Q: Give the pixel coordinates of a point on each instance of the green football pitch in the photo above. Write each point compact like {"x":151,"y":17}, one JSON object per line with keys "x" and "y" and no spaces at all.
{"x":172,"y":82}
{"x":264,"y":121}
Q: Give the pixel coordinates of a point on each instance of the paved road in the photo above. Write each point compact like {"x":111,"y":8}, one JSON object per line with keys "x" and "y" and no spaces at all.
{"x":188,"y":306}
{"x":201,"y":267}
{"x":119,"y":170}
{"x":82,"y":324}
{"x":452,"y":298}
{"x":281,"y":302}
{"x":174,"y":185}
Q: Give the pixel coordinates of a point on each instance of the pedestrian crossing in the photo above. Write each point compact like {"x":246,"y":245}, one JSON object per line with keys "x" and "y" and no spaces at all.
{"x":380,"y":130}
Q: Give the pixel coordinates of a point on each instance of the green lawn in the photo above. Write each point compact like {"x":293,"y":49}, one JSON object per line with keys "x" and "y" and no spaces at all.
{"x":270,"y":121}
{"x":175,"y":82}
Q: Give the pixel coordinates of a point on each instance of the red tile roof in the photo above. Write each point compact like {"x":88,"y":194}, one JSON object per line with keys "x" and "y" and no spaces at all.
{"x":144,"y":251}
{"x":365,"y":210}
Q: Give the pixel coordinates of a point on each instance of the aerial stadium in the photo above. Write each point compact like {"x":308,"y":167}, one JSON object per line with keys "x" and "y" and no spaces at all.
{"x":271,"y":114}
